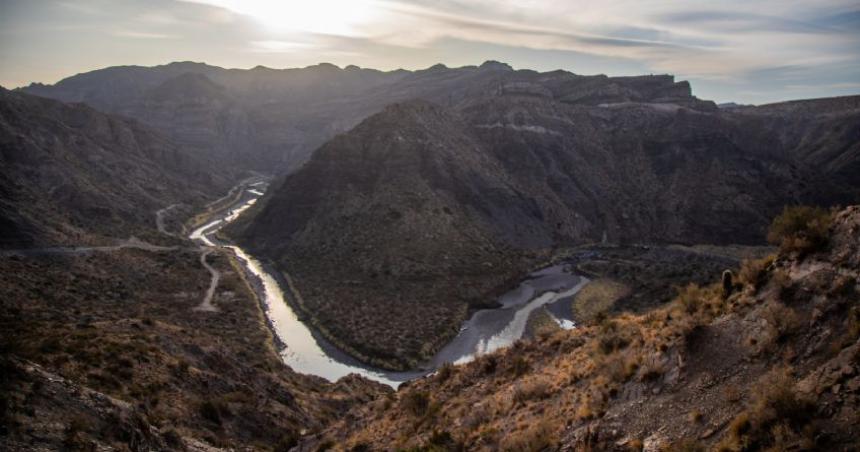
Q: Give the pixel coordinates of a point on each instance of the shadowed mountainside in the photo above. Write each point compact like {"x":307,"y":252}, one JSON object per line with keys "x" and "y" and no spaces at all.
{"x":73,"y":175}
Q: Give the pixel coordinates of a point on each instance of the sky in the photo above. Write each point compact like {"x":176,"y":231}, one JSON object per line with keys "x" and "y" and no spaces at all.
{"x":745,"y":51}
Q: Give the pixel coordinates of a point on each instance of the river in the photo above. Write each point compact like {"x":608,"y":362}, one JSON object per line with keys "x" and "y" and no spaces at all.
{"x":306,"y":351}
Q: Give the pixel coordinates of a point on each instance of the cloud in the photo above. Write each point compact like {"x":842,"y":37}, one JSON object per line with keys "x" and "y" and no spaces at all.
{"x":143,"y":35}
{"x":272,"y":46}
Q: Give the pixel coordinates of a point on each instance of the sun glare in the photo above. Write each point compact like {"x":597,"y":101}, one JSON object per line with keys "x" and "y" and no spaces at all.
{"x":337,"y":17}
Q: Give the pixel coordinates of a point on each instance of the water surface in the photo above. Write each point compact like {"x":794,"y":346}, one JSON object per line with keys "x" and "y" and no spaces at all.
{"x":306,"y":351}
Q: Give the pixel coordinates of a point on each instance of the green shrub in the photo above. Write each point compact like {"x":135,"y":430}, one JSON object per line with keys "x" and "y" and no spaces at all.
{"x":801,"y":229}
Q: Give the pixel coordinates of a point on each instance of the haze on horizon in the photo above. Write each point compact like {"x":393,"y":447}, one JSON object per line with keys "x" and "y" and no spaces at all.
{"x":749,"y":52}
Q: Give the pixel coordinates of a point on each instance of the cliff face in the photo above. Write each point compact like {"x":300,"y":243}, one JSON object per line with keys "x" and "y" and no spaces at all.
{"x":73,"y":175}
{"x":771,"y":365}
{"x":421,"y":195}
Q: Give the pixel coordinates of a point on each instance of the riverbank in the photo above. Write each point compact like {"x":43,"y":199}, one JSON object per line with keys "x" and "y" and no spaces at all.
{"x":307,"y":346}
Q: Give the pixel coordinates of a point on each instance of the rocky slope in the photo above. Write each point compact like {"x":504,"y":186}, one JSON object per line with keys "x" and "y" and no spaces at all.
{"x":770,"y":361}
{"x":72,"y":175}
{"x":421,"y":194}
{"x":105,"y":351}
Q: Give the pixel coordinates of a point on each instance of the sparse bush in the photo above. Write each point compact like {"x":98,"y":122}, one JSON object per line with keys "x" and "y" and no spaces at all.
{"x":489,"y":364}
{"x":441,"y":441}
{"x":416,"y":402}
{"x":534,"y":438}
{"x":782,"y":320}
{"x":800,"y":229}
{"x":652,"y":369}
{"x":532,"y":389}
{"x":74,"y":435}
{"x":685,"y":445}
{"x":690,"y":298}
{"x":754,"y":271}
{"x":444,"y":372}
{"x":778,"y":417}
{"x":520,"y":366}
{"x":621,"y":368}
{"x":610,"y":340}
{"x":214,"y":411}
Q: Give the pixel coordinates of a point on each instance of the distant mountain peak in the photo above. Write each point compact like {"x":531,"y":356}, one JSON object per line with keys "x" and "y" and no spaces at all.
{"x":437,"y":67}
{"x":325,"y":66}
{"x":496,"y":66}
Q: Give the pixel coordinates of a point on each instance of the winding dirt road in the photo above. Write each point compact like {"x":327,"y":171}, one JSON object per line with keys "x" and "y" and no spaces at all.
{"x":206,"y":305}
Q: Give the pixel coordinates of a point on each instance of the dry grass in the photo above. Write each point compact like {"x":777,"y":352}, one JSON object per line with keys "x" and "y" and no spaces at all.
{"x":534,"y":438}
{"x":534,"y":388}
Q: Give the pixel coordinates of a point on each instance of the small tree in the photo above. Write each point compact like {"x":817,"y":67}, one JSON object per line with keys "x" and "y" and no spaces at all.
{"x":800,"y":229}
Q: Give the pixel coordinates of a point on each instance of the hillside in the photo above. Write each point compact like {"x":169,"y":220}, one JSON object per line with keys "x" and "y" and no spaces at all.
{"x":72,"y":175}
{"x":768,"y":361}
{"x":423,"y":212}
{"x":108,"y":351}
{"x":393,"y":224}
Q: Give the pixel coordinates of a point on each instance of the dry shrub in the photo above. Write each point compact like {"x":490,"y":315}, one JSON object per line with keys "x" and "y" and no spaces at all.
{"x":801,"y":229}
{"x":685,"y":445}
{"x":754,"y":271}
{"x":520,"y":366}
{"x":621,"y":367}
{"x":610,"y":338}
{"x":444,"y":372}
{"x":652,"y":368}
{"x":690,"y":299}
{"x":478,"y":415}
{"x":778,"y":417}
{"x":536,"y":437}
{"x":782,"y":321}
{"x":415,"y":402}
{"x":532,"y":389}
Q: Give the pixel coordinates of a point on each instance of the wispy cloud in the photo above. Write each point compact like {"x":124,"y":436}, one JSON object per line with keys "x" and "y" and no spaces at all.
{"x":272,"y":46}
{"x":142,"y":35}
